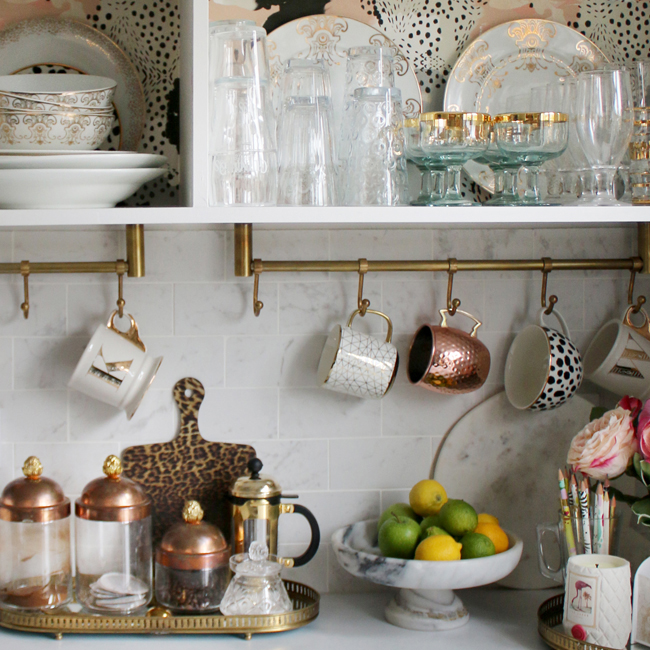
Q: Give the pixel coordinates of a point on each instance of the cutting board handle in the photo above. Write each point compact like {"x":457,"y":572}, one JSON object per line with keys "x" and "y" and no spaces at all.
{"x":189,"y":394}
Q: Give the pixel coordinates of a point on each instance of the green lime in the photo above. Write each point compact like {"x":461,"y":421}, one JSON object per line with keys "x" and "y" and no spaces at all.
{"x":458,"y":518}
{"x":476,"y":545}
{"x":397,"y":509}
{"x":427,"y":522}
{"x":398,"y":537}
{"x":432,"y":530}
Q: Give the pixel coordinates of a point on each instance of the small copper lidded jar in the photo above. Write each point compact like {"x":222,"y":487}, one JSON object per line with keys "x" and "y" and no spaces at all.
{"x":113,"y":543}
{"x":35,"y":568}
{"x":192,"y":570}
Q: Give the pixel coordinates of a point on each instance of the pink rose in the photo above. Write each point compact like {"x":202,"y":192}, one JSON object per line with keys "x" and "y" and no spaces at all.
{"x":631,"y":404}
{"x":604,"y":448}
{"x":643,"y":431}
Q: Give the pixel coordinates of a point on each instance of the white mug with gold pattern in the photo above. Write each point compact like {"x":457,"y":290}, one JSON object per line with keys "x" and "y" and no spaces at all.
{"x":115,"y":367}
{"x":356,"y":363}
{"x":618,"y":358}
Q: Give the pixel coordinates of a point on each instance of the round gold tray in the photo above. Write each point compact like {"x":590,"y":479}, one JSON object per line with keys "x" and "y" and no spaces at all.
{"x":160,"y":621}
{"x":549,"y":616}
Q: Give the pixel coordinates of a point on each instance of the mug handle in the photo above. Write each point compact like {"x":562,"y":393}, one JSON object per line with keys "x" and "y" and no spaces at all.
{"x":131,"y":335}
{"x":443,"y":319}
{"x":545,"y":569}
{"x":389,"y":334}
{"x":563,"y":326}
{"x":643,"y":330}
{"x":289,"y":508}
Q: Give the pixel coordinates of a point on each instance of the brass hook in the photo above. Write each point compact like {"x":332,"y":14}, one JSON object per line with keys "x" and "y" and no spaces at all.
{"x":120,"y":269}
{"x":640,"y":301}
{"x":24,"y":271}
{"x":362,"y":303}
{"x":257,"y":304}
{"x":452,"y":305}
{"x":552,"y":300}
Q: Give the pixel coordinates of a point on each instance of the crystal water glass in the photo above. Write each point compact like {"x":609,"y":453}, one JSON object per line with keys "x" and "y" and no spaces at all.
{"x":433,"y":179}
{"x":376,"y":172}
{"x":604,"y":122}
{"x":529,"y":140}
{"x":242,"y":125}
{"x":505,"y":174}
{"x":451,"y":139}
{"x":640,"y":79}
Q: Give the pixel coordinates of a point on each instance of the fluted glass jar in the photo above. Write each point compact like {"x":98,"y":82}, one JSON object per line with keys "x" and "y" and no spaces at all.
{"x":192,"y":570}
{"x":35,"y":570}
{"x":113,"y":543}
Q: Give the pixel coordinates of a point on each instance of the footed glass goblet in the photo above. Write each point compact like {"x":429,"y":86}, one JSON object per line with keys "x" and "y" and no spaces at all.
{"x":433,"y":177}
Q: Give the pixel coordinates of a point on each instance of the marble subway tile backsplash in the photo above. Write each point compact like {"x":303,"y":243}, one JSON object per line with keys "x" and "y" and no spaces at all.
{"x":346,"y":458}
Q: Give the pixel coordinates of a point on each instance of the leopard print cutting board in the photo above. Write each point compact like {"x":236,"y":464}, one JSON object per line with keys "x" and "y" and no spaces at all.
{"x":188,"y":467}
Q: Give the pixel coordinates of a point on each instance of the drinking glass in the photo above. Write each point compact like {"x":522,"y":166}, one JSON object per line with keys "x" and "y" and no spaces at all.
{"x":433,"y":178}
{"x":505,"y":174}
{"x":640,"y":157}
{"x":376,"y":173}
{"x":640,"y":78}
{"x":306,"y":157}
{"x":242,"y":134}
{"x":604,"y":122}
{"x":452,"y":139}
{"x":530,"y":139}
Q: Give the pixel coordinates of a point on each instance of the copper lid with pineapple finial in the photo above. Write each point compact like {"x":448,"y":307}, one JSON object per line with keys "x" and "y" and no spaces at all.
{"x":33,"y":498}
{"x":193,"y":544}
{"x":113,"y":497}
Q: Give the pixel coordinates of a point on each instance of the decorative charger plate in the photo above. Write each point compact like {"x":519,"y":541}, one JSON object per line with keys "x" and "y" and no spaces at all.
{"x":72,"y":45}
{"x":508,"y":60}
{"x":327,"y":38}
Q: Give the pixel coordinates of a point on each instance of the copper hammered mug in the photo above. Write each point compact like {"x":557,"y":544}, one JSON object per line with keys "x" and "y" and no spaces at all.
{"x":448,"y":360}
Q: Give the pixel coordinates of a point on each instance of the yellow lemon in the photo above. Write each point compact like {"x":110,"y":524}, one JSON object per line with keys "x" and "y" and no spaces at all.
{"x":496,"y":534}
{"x":427,"y":497}
{"x":438,"y":548}
{"x":484,"y":518}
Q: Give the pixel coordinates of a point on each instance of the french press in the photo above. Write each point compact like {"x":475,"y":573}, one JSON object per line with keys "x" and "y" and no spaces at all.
{"x":256,"y":508}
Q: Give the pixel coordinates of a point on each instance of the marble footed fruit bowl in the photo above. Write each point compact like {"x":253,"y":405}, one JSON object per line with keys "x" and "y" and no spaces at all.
{"x":425,"y":600}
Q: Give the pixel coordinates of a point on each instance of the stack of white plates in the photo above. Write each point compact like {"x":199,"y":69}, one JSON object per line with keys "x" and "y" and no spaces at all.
{"x":73,"y":179}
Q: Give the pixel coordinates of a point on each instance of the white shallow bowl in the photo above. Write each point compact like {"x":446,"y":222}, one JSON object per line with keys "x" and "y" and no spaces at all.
{"x":79,"y":160}
{"x":70,"y":188}
{"x":425,"y":600}
{"x":71,"y":89}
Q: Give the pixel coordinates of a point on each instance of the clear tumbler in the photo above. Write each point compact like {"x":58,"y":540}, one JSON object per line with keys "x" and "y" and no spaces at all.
{"x":376,"y":173}
{"x":242,"y":138}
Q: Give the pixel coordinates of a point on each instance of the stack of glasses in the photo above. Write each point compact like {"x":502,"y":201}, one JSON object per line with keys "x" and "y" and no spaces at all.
{"x":640,"y":144}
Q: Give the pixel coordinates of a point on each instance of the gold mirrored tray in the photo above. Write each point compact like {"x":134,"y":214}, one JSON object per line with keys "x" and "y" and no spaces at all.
{"x":160,"y":621}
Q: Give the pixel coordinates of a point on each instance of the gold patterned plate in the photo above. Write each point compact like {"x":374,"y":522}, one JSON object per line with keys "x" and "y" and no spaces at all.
{"x":503,"y":64}
{"x":327,"y":38}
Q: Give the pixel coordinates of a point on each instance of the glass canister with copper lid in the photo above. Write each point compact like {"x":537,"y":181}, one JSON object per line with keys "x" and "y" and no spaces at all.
{"x":113,"y":543}
{"x":192,"y":570}
{"x":35,"y":570}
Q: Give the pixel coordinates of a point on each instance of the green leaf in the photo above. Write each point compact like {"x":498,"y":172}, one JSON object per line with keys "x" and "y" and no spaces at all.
{"x":642,"y":511}
{"x":636,"y":461}
{"x":645,"y":468}
{"x":597,"y":412}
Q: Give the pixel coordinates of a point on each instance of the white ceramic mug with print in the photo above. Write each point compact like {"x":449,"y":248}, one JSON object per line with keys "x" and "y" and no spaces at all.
{"x":356,"y":363}
{"x":115,"y":367}
{"x":618,"y":358}
{"x":543,"y":367}
{"x":598,"y":600}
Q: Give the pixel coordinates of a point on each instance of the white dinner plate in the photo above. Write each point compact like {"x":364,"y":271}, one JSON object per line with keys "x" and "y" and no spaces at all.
{"x":327,"y":38}
{"x":80,"y":160}
{"x":75,"y":45}
{"x":70,"y":188}
{"x":509,"y":59}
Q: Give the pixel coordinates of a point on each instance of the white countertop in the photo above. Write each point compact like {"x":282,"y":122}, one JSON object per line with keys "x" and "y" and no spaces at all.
{"x":499,"y":619}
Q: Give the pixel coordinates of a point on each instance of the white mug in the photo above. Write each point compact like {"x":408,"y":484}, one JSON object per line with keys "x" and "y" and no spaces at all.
{"x":618,"y":358}
{"x":115,"y":367}
{"x":543,"y":367}
{"x":356,"y":363}
{"x":598,"y":600}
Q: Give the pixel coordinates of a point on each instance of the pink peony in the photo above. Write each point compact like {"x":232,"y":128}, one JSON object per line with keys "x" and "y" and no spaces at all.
{"x":643,"y":431}
{"x":632,"y":404}
{"x":604,"y":448}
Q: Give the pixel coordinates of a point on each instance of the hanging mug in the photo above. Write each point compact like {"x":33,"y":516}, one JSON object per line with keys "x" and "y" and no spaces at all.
{"x":356,"y":363}
{"x":115,"y":367}
{"x":448,"y":360}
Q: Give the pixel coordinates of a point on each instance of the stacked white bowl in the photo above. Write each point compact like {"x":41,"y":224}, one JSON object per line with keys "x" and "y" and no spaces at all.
{"x":45,"y":112}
